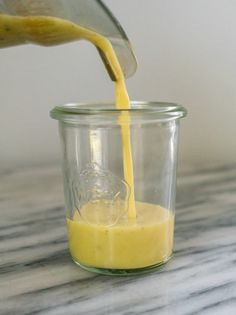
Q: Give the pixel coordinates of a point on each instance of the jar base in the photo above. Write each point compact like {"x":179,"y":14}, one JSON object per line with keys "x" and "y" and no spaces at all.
{"x":123,"y":272}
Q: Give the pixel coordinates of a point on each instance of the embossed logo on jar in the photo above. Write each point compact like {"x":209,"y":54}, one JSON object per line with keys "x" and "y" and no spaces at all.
{"x":96,"y":188}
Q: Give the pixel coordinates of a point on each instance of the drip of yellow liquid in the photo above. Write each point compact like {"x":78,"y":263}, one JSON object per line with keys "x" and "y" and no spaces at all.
{"x":49,"y":31}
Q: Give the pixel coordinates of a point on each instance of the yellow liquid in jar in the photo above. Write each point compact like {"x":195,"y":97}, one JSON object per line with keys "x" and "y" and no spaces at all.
{"x":144,"y":236}
{"x":146,"y":242}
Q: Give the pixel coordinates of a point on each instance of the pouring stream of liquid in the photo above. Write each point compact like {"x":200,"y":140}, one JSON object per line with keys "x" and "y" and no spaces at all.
{"x":48,"y":31}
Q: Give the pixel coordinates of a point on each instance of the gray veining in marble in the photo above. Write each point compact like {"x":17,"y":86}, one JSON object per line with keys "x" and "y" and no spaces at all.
{"x":37,"y":275}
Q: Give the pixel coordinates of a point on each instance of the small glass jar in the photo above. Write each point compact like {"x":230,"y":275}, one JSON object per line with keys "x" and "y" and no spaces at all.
{"x":103,"y":237}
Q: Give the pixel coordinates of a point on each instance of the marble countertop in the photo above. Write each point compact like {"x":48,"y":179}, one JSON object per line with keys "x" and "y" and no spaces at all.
{"x":37,"y":275}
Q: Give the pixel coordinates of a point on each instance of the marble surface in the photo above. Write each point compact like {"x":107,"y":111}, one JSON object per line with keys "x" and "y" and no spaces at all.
{"x":37,"y":275}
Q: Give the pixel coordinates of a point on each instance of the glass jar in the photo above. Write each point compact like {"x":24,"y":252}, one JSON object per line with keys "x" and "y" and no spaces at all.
{"x":102,"y":235}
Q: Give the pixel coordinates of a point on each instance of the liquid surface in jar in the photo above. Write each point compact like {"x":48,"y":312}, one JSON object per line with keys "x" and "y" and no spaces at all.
{"x":144,"y":243}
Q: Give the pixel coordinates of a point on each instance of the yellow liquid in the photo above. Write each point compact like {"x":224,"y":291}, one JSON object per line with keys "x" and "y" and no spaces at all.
{"x":142,"y":237}
{"x":144,"y":243}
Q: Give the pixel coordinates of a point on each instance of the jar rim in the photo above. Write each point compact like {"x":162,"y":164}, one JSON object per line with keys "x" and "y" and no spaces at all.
{"x":159,"y":109}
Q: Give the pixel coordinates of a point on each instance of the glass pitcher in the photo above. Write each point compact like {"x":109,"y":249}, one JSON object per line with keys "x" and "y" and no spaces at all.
{"x":91,"y":14}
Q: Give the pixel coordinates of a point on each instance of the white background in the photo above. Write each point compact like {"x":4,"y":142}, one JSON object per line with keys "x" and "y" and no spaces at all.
{"x":187,"y":54}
